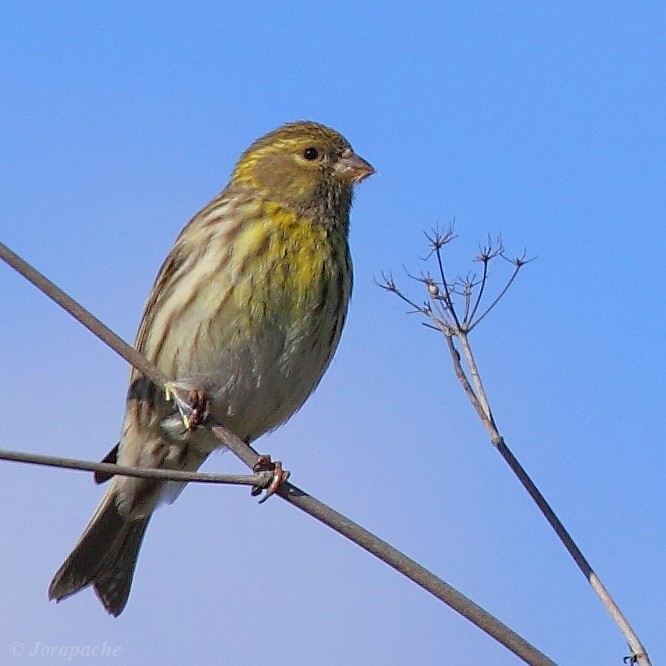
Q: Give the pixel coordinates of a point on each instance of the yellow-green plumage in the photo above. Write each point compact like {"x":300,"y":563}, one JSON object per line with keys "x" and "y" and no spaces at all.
{"x":248,"y":307}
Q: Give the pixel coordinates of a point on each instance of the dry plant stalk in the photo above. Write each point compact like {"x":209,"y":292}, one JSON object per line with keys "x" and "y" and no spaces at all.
{"x":454,"y":308}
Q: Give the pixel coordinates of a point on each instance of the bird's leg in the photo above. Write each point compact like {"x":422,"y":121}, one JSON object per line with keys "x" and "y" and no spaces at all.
{"x":200,"y":407}
{"x":280,"y":475}
{"x":194,"y":409}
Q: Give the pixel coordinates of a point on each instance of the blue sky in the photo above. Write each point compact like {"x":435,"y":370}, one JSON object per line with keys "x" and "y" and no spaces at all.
{"x":542,"y":123}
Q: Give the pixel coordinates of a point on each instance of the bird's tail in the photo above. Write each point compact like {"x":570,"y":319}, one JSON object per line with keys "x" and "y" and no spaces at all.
{"x":105,"y":556}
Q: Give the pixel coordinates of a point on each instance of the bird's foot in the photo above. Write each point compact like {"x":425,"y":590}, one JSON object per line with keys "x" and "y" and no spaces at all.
{"x":191,"y":403}
{"x":280,"y":475}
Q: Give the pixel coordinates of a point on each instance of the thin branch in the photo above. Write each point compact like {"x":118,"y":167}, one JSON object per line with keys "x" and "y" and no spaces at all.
{"x":639,"y":653}
{"x":467,"y":291}
{"x":389,"y":285}
{"x":256,"y":479}
{"x":437,"y":239}
{"x":476,"y":377}
{"x":447,"y":295}
{"x":294,"y":495}
{"x":94,"y":325}
{"x":499,"y":297}
{"x":462,"y":377}
{"x":479,"y":296}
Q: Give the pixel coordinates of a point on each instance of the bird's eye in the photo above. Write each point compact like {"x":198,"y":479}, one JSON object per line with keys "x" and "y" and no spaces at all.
{"x":311,"y":153}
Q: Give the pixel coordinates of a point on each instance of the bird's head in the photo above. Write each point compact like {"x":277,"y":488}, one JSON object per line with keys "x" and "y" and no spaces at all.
{"x":304,"y":165}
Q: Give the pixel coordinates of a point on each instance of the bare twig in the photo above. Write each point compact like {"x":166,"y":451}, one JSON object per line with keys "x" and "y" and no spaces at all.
{"x":499,"y":297}
{"x":467,"y":292}
{"x":437,"y":244}
{"x":639,"y":653}
{"x":476,"y":393}
{"x":479,"y":295}
{"x":389,"y":285}
{"x":291,"y":493}
{"x":476,"y":377}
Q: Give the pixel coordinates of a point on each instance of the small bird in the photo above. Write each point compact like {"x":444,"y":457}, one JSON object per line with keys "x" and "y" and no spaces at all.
{"x":245,"y":314}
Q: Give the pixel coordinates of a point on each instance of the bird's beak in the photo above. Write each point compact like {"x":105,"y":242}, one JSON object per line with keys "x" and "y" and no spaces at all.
{"x":354,"y":168}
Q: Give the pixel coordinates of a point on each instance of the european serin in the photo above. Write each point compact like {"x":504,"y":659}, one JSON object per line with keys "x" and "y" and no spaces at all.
{"x":247,"y":308}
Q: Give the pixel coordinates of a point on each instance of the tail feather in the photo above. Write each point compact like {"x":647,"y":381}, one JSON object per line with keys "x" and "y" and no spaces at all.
{"x":105,"y":556}
{"x":111,"y":457}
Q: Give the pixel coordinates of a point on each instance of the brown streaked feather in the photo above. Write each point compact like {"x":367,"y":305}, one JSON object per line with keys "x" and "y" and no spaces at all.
{"x":111,"y":457}
{"x":105,"y":557}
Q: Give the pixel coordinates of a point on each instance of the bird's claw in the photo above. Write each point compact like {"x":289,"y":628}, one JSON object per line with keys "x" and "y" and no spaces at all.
{"x":194,"y":409}
{"x":280,"y":475}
